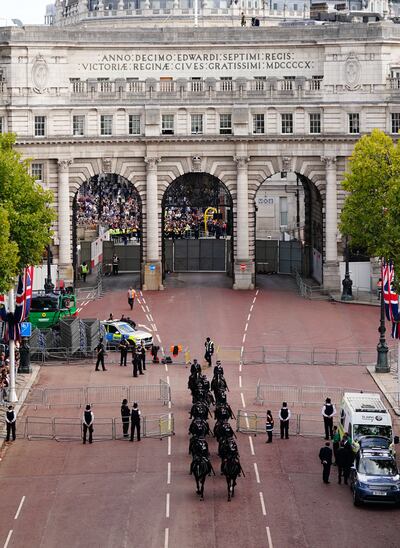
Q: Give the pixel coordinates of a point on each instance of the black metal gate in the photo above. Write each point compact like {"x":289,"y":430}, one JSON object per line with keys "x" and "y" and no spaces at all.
{"x":202,"y":255}
{"x":273,"y":256}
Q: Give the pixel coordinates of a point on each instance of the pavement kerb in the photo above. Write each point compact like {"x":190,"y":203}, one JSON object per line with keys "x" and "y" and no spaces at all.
{"x":27,"y":387}
{"x":382,"y":388}
{"x":337,"y":299}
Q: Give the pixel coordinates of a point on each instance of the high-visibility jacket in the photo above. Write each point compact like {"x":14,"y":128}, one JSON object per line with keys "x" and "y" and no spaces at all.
{"x":131,"y":294}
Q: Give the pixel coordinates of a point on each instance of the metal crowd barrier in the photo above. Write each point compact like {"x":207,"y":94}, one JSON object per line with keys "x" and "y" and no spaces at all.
{"x":70,"y":429}
{"x":298,"y":396}
{"x":301,"y":424}
{"x":312,"y":356}
{"x":80,"y":396}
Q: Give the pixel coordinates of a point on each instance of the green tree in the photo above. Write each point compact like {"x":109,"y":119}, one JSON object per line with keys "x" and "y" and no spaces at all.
{"x":371,"y":213}
{"x":26,"y":212}
{"x":8,"y":254}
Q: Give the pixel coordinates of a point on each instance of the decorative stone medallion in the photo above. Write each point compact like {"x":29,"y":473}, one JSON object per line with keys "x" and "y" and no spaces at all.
{"x":40,"y":74}
{"x":352,"y":72}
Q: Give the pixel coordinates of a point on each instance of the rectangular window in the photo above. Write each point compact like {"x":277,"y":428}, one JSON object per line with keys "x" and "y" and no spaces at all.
{"x":287,"y":123}
{"x":258,"y":123}
{"x":106,"y":122}
{"x":354,"y":123}
{"x":78,"y":125}
{"x":295,"y":7}
{"x":275,"y":7}
{"x":395,"y":122}
{"x":283,"y":210}
{"x":226,"y":83}
{"x":134,"y":124}
{"x":37,"y":172}
{"x":315,"y":122}
{"x":1,"y":124}
{"x":167,"y":124}
{"x":40,"y":126}
{"x":196,"y":84}
{"x":197,"y":123}
{"x":225,"y":124}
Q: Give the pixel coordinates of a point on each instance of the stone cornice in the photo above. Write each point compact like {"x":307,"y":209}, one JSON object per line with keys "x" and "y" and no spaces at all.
{"x":168,"y":140}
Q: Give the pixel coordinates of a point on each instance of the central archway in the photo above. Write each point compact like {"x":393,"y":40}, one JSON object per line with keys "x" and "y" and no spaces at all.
{"x":197,"y":225}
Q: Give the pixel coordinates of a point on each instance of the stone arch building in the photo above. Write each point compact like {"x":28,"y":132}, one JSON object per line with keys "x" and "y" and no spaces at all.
{"x":150,"y":104}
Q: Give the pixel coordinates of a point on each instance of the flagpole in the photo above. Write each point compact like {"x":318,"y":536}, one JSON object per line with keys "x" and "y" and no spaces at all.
{"x":12,"y":395}
{"x":398,"y":372}
{"x":196,"y":15}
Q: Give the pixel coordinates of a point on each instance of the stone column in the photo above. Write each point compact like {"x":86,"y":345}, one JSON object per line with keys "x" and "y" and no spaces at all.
{"x":331,"y":265}
{"x":64,"y":222}
{"x":243,"y":266}
{"x":152,"y":267}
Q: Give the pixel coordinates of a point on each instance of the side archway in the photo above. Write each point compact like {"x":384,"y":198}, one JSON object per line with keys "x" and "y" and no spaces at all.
{"x":107,"y":223}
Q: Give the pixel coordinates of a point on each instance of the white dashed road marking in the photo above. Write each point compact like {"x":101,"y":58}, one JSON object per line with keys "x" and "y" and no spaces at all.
{"x":269,"y":538}
{"x":169,"y":446}
{"x":19,"y":507}
{"x":244,"y":338}
{"x":10,"y":532}
{"x":166,"y":538}
{"x":167,"y":507}
{"x":256,"y":472}
{"x":243,"y":402}
{"x":169,"y":474}
{"x":240,"y":381}
{"x":247,"y":325}
{"x":159,"y":340}
{"x":262,"y":504}
{"x":251,"y":446}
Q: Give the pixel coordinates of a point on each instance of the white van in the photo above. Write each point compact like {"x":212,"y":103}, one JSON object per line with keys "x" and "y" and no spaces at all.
{"x":363,"y":414}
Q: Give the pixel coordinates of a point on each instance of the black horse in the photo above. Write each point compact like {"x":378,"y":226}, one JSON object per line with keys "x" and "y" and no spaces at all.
{"x":223,"y":430}
{"x":219,"y":383}
{"x":198,"y":447}
{"x":201,"y":467}
{"x":199,"y":410}
{"x":223,"y":411}
{"x":231,"y":468}
{"x":199,"y":428}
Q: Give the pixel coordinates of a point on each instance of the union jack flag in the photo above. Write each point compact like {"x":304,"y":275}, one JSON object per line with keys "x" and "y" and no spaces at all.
{"x":390,"y":298}
{"x":395,"y":330}
{"x":28,"y":284}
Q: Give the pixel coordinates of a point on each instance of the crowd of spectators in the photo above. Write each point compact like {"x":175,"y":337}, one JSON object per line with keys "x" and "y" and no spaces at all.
{"x":188,"y":222}
{"x":109,"y":202}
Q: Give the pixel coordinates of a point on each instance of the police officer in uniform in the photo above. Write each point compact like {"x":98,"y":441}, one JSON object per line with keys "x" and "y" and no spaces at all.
{"x":125,"y":414}
{"x":100,"y":355}
{"x":136,"y":359}
{"x":328,"y":411}
{"x":10,"y":422}
{"x":135,"y":421}
{"x":124,"y":347}
{"x":87,"y":423}
{"x":218,"y":369}
{"x":209,"y":350}
{"x":284,"y":417}
{"x":143,"y":355}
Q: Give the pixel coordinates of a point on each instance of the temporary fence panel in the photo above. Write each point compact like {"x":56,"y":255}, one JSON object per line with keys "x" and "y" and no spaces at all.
{"x":299,"y":356}
{"x":64,"y":396}
{"x":68,"y":428}
{"x":158,"y":426}
{"x":322,"y":356}
{"x":316,"y":395}
{"x":310,"y":425}
{"x":103,"y":429}
{"x":33,"y":396}
{"x":106,"y":394}
{"x":348,"y":357}
{"x":39,"y":427}
{"x":251,"y":422}
{"x":253,"y":355}
{"x":269,"y":393}
{"x":118,"y":429}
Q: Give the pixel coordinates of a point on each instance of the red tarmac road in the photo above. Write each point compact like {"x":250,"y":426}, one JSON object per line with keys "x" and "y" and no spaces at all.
{"x":118,"y":494}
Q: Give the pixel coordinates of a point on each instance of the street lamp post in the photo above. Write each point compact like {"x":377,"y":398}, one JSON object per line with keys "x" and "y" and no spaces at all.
{"x":347,"y":283}
{"x":382,"y":365}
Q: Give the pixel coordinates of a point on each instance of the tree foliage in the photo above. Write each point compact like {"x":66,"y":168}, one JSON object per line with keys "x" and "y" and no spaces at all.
{"x":371,"y":213}
{"x":8,"y":254}
{"x":26,"y":212}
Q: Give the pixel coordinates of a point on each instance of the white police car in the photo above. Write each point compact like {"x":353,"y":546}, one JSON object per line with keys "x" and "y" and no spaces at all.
{"x":115,"y":331}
